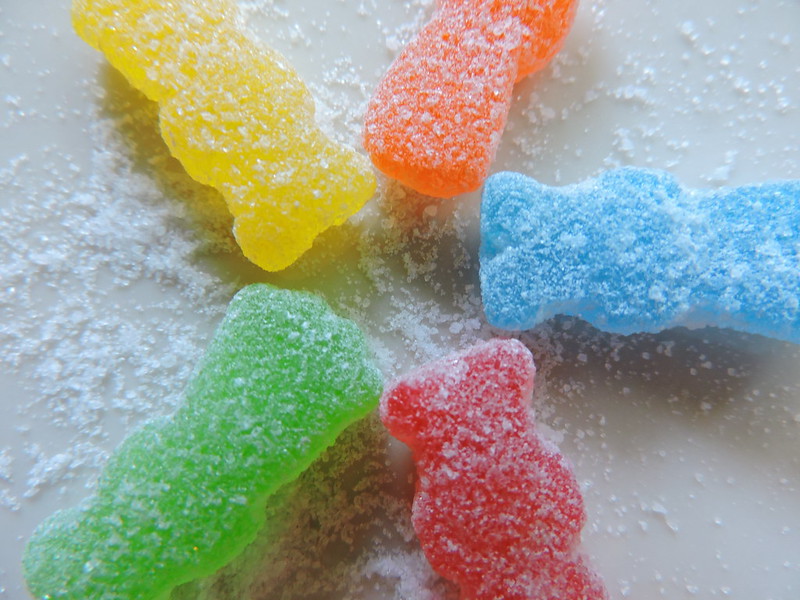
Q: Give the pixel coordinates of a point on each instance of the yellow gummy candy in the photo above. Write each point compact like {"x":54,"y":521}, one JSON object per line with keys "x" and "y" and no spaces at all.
{"x":236,"y":115}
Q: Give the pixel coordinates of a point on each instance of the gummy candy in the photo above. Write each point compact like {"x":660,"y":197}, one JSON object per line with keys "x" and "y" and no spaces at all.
{"x":236,"y":115}
{"x":436,"y":118}
{"x":632,"y":250}
{"x":497,"y":509}
{"x":185,"y":494}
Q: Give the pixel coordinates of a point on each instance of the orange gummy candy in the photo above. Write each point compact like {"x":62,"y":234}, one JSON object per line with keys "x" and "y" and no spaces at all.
{"x":236,"y":115}
{"x":435,"y":120}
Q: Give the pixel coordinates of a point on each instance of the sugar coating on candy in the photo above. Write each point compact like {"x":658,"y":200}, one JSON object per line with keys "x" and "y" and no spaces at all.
{"x":632,"y":250}
{"x":237,"y":116}
{"x":436,"y":118}
{"x":497,"y":508}
{"x":185,"y":494}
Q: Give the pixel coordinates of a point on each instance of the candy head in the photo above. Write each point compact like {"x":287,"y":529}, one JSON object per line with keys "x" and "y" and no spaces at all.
{"x":433,"y":403}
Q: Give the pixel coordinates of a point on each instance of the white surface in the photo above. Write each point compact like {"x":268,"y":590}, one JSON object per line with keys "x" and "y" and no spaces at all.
{"x":686,"y":442}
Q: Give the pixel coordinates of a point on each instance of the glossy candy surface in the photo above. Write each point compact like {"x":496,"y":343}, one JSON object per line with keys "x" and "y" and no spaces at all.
{"x":436,"y":118}
{"x":497,"y":509}
{"x":236,"y":115}
{"x":185,"y":494}
{"x":633,"y":250}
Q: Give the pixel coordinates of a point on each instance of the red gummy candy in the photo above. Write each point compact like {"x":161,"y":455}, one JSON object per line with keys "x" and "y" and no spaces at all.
{"x":497,"y":509}
{"x":436,"y":118}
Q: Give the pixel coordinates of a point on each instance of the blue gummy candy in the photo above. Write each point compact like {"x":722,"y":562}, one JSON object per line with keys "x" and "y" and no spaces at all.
{"x":632,"y":251}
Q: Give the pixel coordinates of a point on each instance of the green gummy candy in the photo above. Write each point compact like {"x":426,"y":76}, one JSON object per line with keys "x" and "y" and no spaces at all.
{"x":185,"y":494}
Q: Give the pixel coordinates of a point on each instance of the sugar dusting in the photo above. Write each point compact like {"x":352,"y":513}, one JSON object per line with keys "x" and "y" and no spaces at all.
{"x":113,"y":280}
{"x":90,"y":242}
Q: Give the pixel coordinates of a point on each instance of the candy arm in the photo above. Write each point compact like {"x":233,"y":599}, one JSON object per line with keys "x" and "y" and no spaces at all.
{"x":185,"y":494}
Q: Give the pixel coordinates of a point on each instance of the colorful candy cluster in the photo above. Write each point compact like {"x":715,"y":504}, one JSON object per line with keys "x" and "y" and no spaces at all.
{"x":497,"y":509}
